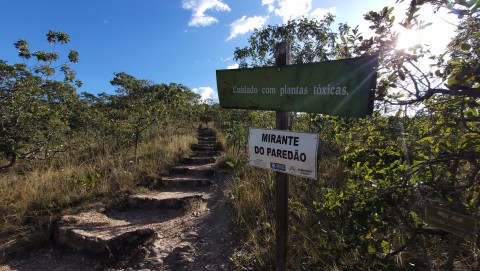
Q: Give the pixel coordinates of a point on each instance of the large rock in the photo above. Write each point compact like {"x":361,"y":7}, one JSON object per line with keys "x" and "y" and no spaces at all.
{"x":100,"y":236}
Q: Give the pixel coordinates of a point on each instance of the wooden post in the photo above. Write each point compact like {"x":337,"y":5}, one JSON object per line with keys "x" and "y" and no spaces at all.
{"x":283,"y":122}
{"x":452,"y":249}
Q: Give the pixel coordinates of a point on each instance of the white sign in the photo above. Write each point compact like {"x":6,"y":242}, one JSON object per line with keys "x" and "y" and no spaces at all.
{"x":288,"y":152}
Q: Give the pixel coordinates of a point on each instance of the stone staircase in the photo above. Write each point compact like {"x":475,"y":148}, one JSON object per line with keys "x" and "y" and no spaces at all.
{"x":158,"y":224}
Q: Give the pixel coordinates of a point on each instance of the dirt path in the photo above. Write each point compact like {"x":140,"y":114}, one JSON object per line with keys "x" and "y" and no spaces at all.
{"x":184,"y":224}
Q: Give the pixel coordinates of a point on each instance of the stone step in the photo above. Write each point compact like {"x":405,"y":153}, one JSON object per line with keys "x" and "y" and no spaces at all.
{"x":198,"y":160}
{"x":206,"y":153}
{"x":101,"y":236}
{"x":166,"y":200}
{"x":182,"y":181}
{"x":198,"y":147}
{"x":208,"y":139}
{"x":194,"y":170}
{"x":205,"y":148}
{"x":207,"y":143}
{"x":206,"y":133}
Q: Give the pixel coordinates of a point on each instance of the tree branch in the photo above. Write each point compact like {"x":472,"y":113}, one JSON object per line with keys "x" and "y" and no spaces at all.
{"x":458,"y":91}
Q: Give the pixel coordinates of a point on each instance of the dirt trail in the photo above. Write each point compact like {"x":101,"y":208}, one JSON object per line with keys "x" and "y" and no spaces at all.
{"x":183,"y":224}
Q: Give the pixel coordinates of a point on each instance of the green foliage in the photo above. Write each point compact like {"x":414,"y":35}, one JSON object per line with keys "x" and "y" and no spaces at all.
{"x":141,"y":104}
{"x":421,"y":146}
{"x":35,"y":110}
{"x":41,"y":118}
{"x":311,"y":41}
{"x":89,"y":180}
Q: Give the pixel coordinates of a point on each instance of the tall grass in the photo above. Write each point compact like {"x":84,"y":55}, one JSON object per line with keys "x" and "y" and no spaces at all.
{"x":310,"y":241}
{"x":35,"y":193}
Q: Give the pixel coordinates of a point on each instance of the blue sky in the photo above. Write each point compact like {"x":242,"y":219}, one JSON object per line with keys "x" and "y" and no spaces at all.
{"x":181,"y":41}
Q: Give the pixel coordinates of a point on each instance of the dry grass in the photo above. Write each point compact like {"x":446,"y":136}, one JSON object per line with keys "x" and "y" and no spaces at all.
{"x":34,"y":194}
{"x":254,"y":205}
{"x":158,"y":155}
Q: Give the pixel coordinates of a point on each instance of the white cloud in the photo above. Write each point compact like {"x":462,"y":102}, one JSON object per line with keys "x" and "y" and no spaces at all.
{"x":293,"y":9}
{"x":270,"y":4}
{"x":245,"y":25}
{"x":289,"y":9}
{"x":206,"y":93}
{"x":319,"y":13}
{"x":199,"y":7}
{"x":234,"y":66}
{"x":225,"y":59}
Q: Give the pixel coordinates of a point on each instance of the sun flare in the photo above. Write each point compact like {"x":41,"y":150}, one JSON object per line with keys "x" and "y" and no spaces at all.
{"x":409,"y":38}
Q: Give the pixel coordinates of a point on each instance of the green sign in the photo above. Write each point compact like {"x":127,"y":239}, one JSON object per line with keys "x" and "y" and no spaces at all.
{"x":463,"y":226}
{"x":341,"y":87}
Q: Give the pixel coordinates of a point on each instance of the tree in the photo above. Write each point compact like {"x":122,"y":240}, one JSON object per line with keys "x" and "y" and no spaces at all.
{"x":141,"y":103}
{"x":34,"y":108}
{"x":388,"y":166}
{"x":311,"y":41}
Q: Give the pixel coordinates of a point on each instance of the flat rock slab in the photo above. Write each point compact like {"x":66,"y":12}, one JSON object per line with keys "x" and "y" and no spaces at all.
{"x":206,"y":153}
{"x":206,"y":144}
{"x":206,"y":133}
{"x":102,"y":236}
{"x":198,"y":147}
{"x":167,"y":200}
{"x":184,"y":181}
{"x":198,"y":160}
{"x":195,"y":170}
{"x":207,"y":139}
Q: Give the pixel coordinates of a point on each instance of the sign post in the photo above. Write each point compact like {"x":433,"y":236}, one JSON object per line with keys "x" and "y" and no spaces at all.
{"x":282,"y":58}
{"x":460,"y":225}
{"x":288,"y":152}
{"x":341,"y":88}
{"x":454,"y":223}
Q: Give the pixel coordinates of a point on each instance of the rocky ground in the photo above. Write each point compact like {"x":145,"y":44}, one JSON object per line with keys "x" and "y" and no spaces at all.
{"x":184,"y":223}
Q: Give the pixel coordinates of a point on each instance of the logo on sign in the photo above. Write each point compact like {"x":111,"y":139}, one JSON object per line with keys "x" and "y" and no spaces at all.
{"x":278,"y":166}
{"x":292,"y":169}
{"x":259,"y":163}
{"x":304,"y":171}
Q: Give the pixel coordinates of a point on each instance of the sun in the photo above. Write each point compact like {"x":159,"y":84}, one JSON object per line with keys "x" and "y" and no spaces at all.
{"x":408,"y":38}
{"x":434,"y":29}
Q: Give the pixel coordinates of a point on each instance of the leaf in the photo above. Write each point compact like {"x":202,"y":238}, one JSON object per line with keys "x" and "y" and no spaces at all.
{"x":371,"y":249}
{"x":392,"y":19}
{"x":473,"y":112}
{"x":401,"y":74}
{"x":452,"y":81}
{"x":466,"y":47}
{"x":230,"y":164}
{"x":423,"y":26}
{"x":385,"y":246}
{"x":428,"y":139}
{"x":51,"y":36}
{"x":73,"y":56}
{"x":384,"y":11}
